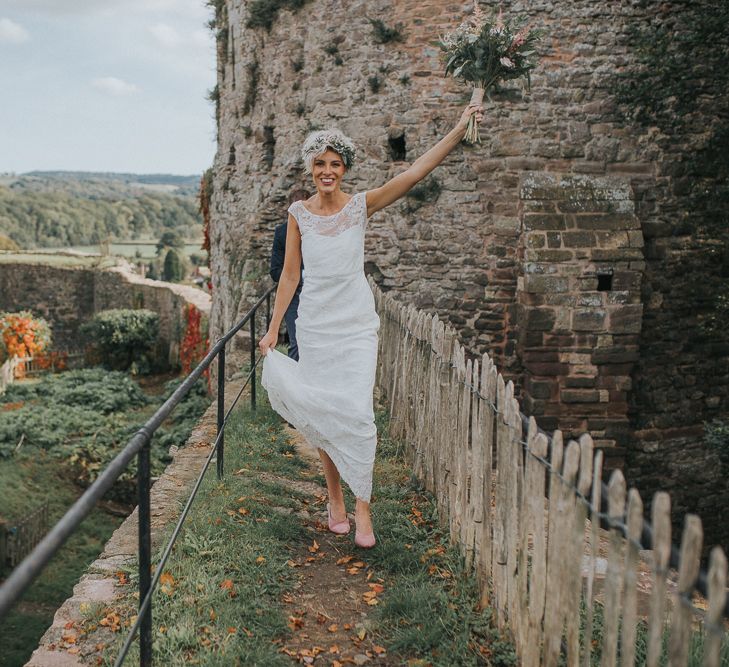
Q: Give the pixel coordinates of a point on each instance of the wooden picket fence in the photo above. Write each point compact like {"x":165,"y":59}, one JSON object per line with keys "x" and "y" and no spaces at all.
{"x":7,"y":373}
{"x":525,"y":510}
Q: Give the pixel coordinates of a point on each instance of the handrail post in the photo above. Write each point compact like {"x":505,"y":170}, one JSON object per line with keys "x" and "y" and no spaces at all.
{"x":253,"y":361}
{"x":221,"y":410}
{"x":145,"y":552}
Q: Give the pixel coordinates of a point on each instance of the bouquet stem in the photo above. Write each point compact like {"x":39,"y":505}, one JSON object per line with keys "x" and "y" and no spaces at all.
{"x":472,"y":136}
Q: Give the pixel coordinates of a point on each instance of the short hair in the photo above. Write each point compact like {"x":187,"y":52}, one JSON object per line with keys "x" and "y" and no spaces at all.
{"x":318,"y":142}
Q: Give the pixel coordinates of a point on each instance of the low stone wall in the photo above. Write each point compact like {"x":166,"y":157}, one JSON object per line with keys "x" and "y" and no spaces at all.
{"x":68,"y":296}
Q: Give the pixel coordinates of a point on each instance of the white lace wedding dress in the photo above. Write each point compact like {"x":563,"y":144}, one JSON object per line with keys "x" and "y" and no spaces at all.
{"x":327,"y":395}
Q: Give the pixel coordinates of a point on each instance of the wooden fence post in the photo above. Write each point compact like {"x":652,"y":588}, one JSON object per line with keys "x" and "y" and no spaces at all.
{"x":630,"y":597}
{"x":614,"y":578}
{"x":714,"y":614}
{"x":661,"y":520}
{"x":678,"y":644}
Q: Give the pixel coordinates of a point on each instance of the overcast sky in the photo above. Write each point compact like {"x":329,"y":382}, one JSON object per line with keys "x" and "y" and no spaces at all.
{"x":106,"y":85}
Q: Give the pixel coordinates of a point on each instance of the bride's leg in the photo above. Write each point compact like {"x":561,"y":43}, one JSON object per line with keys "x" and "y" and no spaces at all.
{"x":362,"y":517}
{"x":336,"y":497}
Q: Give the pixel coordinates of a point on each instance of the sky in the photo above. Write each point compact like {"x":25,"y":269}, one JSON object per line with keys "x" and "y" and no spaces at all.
{"x":106,"y":85}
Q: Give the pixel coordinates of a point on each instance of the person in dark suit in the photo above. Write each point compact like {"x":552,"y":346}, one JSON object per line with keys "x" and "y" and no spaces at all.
{"x":278,"y":252}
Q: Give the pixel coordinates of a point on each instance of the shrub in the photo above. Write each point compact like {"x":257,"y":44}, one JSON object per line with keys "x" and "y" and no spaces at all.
{"x":384,"y":33}
{"x":6,"y":243}
{"x":375,"y":83}
{"x":263,"y":13}
{"x":23,"y":335}
{"x":124,"y":338}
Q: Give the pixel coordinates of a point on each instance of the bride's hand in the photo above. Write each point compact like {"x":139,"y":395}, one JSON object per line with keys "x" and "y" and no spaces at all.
{"x":469,"y":111}
{"x":269,"y":341}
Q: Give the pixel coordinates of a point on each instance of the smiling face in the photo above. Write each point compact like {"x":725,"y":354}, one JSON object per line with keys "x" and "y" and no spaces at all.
{"x":327,"y":170}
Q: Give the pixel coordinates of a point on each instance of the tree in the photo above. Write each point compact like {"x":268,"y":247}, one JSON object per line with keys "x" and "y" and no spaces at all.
{"x":172,"y":271}
{"x":170,"y":238}
{"x":6,"y":243}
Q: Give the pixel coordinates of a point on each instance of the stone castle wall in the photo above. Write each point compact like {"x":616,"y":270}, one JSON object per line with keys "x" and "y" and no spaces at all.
{"x":557,"y":245}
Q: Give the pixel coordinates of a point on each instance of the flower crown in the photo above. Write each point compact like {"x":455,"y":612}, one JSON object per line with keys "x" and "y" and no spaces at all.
{"x":317,"y":142}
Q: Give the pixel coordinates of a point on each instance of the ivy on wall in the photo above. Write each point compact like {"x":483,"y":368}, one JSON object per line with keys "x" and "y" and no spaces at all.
{"x":680,"y":84}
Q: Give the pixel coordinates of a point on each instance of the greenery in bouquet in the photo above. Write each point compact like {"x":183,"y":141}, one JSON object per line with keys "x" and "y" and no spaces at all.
{"x":482,"y":52}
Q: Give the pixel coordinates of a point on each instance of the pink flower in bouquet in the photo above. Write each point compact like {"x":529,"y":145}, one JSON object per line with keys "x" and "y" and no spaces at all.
{"x":518,"y":40}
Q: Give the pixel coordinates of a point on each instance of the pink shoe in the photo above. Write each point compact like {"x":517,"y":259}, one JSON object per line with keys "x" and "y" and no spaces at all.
{"x":337,"y":527}
{"x":364,"y":541}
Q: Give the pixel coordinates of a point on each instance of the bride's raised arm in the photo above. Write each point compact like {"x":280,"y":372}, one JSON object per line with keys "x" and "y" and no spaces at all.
{"x":418,"y":170}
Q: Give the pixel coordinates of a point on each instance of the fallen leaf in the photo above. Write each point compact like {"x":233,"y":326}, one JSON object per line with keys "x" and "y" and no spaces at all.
{"x":260,"y":559}
{"x":344,"y":560}
{"x":334,"y":649}
{"x":288,"y":598}
{"x":314,"y":547}
{"x":352,"y":570}
{"x":377,"y":588}
{"x":232,"y":630}
{"x":321,"y":618}
{"x":296,"y":622}
{"x":378,"y":649}
{"x":243,"y":511}
{"x":362,"y":633}
{"x":227,"y":585}
{"x":333,"y":627}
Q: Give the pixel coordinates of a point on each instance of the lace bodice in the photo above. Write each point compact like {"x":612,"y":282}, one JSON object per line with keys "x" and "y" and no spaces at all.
{"x":353,"y":213}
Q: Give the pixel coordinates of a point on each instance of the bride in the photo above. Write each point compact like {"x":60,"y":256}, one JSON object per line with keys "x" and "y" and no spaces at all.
{"x":327,"y":394}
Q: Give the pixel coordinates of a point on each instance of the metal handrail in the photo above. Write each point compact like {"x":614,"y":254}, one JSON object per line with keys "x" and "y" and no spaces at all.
{"x":32,"y":565}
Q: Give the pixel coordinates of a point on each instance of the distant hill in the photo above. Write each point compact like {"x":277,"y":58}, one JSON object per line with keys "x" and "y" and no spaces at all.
{"x":184,"y":185}
{"x":45,"y":209}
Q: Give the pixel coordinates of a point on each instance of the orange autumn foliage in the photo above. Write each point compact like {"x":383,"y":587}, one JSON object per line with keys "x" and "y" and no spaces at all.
{"x":22,"y":335}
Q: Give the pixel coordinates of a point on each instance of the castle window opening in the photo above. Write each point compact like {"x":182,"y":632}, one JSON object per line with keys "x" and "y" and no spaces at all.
{"x":604,"y":280}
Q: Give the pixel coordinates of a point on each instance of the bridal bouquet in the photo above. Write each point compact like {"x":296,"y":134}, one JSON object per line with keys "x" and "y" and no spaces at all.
{"x":483,"y":52}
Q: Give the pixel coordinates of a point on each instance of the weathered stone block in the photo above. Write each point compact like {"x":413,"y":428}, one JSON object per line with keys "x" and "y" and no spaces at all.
{"x":607,"y":221}
{"x":541,"y":284}
{"x":592,"y":319}
{"x":626,"y":319}
{"x":549,"y":255}
{"x":543,"y":221}
{"x":578,"y":239}
{"x":579,"y":395}
{"x":539,"y":319}
{"x":616,"y":354}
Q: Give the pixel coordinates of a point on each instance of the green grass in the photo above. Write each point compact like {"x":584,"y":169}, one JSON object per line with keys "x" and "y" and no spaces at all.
{"x":429,"y":609}
{"x":695,"y":652}
{"x":25,"y":483}
{"x":196,"y":619}
{"x":73,"y":423}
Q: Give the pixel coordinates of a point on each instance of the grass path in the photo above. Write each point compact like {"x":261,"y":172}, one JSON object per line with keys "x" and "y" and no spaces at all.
{"x":257,"y":579}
